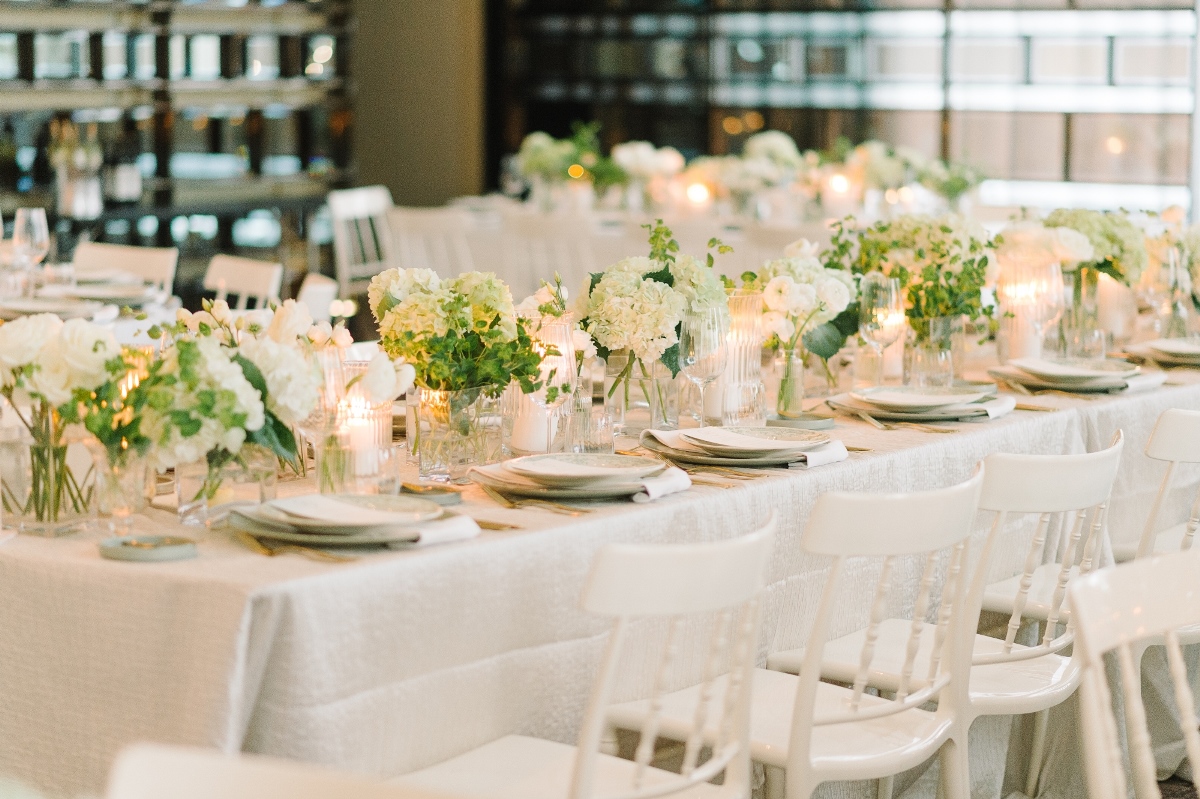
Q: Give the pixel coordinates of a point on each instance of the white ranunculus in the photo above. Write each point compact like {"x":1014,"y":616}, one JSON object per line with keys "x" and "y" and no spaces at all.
{"x":777,"y":294}
{"x":776,"y":323}
{"x":1071,"y":246}
{"x":22,"y":339}
{"x":51,"y":377}
{"x":584,"y":343}
{"x":85,"y":348}
{"x":342,"y":337}
{"x":384,"y":380}
{"x":803,"y":299}
{"x":291,"y":321}
{"x":320,"y":334}
{"x":833,"y":295}
{"x":802,"y":248}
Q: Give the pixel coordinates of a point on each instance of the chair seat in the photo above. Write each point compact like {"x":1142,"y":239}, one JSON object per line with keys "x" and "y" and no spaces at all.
{"x":1001,"y":597}
{"x":1011,"y":688}
{"x":857,"y":750}
{"x":1165,"y":542}
{"x":517,"y":767}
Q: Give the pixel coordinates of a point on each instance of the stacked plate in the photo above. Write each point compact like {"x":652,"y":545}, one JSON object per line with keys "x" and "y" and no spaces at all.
{"x":132,"y":295}
{"x":62,"y":307}
{"x":1078,"y":375}
{"x":1170,"y":351}
{"x":570,"y":475}
{"x":337,"y":520}
{"x":740,"y":446}
{"x":913,"y":404}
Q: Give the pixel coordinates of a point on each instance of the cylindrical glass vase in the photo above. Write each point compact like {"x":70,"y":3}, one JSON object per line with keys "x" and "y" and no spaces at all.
{"x":207,"y":493}
{"x":743,"y":394}
{"x":639,"y":396}
{"x":455,"y":431}
{"x":929,"y":361}
{"x":46,"y":475}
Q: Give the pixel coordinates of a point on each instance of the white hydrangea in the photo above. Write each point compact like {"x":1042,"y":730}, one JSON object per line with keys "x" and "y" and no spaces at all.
{"x":774,"y":146}
{"x":488,"y":297}
{"x":293,"y":384}
{"x":627,"y":311}
{"x":699,"y":284}
{"x":392,"y":286}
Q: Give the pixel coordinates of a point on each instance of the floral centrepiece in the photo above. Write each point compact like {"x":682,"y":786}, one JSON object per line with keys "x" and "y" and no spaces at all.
{"x":46,"y":365}
{"x":1119,"y":245}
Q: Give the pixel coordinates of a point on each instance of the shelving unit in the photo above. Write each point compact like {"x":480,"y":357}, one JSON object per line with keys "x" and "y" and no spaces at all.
{"x":240,"y":108}
{"x":1087,"y":101}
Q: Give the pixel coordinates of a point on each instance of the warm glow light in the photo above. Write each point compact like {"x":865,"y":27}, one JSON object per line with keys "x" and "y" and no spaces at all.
{"x":839,"y":184}
{"x":1115,"y":145}
{"x":575,"y":171}
{"x":322,"y":54}
{"x":891,"y":196}
{"x":906,"y":194}
{"x":255,"y":67}
{"x":732,"y":125}
{"x":314,"y":69}
{"x":753,"y":120}
{"x":698,"y":193}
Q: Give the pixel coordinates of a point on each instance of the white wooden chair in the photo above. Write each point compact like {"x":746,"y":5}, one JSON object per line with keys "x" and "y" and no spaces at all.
{"x":536,"y":246}
{"x":1006,"y":677}
{"x":150,"y":771}
{"x":247,"y":278}
{"x":154,"y":265}
{"x":362,"y":242}
{"x":1176,"y":440}
{"x":1118,"y":611}
{"x":819,"y":732}
{"x":432,"y":238}
{"x":318,"y":292}
{"x":686,"y":585}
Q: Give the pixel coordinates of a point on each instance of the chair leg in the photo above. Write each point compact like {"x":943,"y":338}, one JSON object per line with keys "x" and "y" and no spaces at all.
{"x":955,"y":778}
{"x":774,"y":782}
{"x":1040,"y":721}
{"x":885,"y":787}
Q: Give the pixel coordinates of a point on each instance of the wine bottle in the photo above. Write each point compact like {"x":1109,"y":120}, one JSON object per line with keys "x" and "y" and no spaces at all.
{"x":122,"y":175}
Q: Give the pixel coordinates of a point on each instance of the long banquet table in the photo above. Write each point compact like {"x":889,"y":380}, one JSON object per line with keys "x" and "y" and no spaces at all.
{"x":403,"y":658}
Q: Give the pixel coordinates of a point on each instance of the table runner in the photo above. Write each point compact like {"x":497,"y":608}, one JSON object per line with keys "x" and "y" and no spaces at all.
{"x":402,"y":659}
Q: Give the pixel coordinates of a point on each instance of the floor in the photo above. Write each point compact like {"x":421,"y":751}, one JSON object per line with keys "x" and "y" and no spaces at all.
{"x":1177,"y":789}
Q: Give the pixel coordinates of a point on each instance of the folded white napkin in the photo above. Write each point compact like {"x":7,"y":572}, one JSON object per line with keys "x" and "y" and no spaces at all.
{"x":730,"y":437}
{"x":440,"y":531}
{"x":1146,"y":381}
{"x":673,"y":439}
{"x":996,"y":407}
{"x":671,"y":481}
{"x":832,"y":452}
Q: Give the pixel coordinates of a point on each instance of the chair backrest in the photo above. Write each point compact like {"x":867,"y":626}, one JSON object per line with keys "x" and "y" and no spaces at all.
{"x":1114,"y":611}
{"x":718,"y":582}
{"x":1069,"y":488}
{"x":432,"y":238}
{"x":1176,"y":439}
{"x":245,"y":277}
{"x":933,"y":525}
{"x":318,"y":292}
{"x":534,"y":247}
{"x":362,"y":242}
{"x":155,"y":265}
{"x":151,"y":771}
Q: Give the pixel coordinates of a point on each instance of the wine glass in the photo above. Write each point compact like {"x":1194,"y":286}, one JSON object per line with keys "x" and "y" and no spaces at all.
{"x":702,"y":349}
{"x":880,"y":314}
{"x":31,"y":237}
{"x":557,"y":373}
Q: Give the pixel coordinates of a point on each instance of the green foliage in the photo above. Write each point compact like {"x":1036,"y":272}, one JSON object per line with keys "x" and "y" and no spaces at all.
{"x":479,"y":358}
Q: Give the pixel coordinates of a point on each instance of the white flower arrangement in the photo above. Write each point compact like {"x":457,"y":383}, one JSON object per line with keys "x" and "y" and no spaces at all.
{"x":550,"y":301}
{"x":43,"y":359}
{"x":545,"y":157}
{"x":1119,"y":245}
{"x":799,"y":294}
{"x":1030,"y":241}
{"x":775,"y":146}
{"x":878,"y":166}
{"x":643,"y":161}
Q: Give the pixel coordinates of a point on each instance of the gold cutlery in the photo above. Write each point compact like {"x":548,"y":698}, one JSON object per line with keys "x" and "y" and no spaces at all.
{"x":925,"y":428}
{"x":1026,"y":406}
{"x":513,"y":504}
{"x":273,"y":549}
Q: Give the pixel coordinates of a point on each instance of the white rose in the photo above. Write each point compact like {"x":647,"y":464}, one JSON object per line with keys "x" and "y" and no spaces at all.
{"x":85,"y":348}
{"x":775,"y":323}
{"x":803,"y":299}
{"x":320,"y":333}
{"x":342,"y":337}
{"x":220,"y":311}
{"x":777,"y":294}
{"x":291,"y":321}
{"x":801,"y":248}
{"x":834,"y":295}
{"x":583,"y":343}
{"x":22,"y":339}
{"x":51,"y":376}
{"x":379,"y":382}
{"x":406,"y":375}
{"x":1071,"y":246}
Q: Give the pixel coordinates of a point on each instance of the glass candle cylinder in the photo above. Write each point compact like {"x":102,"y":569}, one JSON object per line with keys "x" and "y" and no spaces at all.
{"x":743,"y":392}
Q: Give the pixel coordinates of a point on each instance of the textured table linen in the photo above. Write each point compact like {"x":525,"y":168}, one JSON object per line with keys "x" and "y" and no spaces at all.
{"x":401,"y":659}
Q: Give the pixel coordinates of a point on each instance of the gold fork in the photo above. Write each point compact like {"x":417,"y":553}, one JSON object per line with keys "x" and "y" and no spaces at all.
{"x":271,"y":550}
{"x":925,"y":428}
{"x":512,"y":504}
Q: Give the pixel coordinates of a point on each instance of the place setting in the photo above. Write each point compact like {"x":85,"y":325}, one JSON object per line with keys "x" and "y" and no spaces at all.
{"x":1167,"y":353}
{"x":541,"y":480}
{"x":1077,"y":376}
{"x":734,"y":450}
{"x":915,"y":407}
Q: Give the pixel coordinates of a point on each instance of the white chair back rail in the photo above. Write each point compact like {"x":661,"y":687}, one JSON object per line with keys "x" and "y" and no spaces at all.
{"x":149,"y":771}
{"x":1176,"y":439}
{"x":1118,"y":611}
{"x":432,"y":238}
{"x":1068,"y":487}
{"x":155,"y":265}
{"x":362,"y":241}
{"x":717,"y":581}
{"x":934,"y":525}
{"x":247,"y":278}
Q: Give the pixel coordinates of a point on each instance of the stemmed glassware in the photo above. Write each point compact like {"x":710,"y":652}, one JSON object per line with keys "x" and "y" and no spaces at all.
{"x":31,"y":238}
{"x":557,"y":373}
{"x":1032,"y":298}
{"x":880,"y":315}
{"x":703,"y":353}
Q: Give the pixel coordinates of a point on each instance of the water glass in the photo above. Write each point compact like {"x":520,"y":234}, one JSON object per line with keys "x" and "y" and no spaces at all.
{"x":881,"y":314}
{"x":703,"y":353}
{"x":592,"y":431}
{"x":31,"y":237}
{"x":558,"y":373}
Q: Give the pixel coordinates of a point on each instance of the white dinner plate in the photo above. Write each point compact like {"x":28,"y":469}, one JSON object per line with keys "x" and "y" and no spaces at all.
{"x":244,"y":519}
{"x":106,"y":276}
{"x":1073,"y":370}
{"x":1161,"y":357}
{"x":1176,"y":347}
{"x":909,"y":399}
{"x":1093,"y":385}
{"x":133,"y":295}
{"x":341,"y":514}
{"x":948,"y":413}
{"x":62,"y":308}
{"x":581,"y":469}
{"x":509,"y":483}
{"x":754,"y":442}
{"x":705,"y":459}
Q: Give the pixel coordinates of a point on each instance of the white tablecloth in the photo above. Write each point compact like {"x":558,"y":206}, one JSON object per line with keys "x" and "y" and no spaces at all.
{"x":401,"y":659}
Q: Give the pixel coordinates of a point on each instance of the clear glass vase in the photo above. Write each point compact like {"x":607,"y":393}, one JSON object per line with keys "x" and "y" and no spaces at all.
{"x":207,"y":493}
{"x":929,"y":355}
{"x":123,"y":488}
{"x":639,"y":396}
{"x":743,"y":395}
{"x":456,"y":430}
{"x":1079,"y":332}
{"x":46,"y":474}
{"x":790,"y":401}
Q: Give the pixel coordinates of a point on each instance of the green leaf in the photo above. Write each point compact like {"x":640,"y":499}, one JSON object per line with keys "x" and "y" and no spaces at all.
{"x":670,"y":359}
{"x":824,"y":340}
